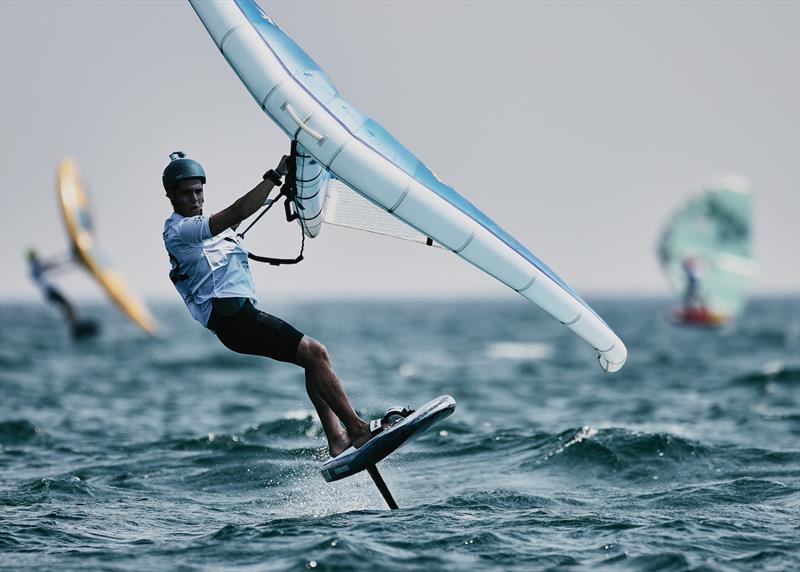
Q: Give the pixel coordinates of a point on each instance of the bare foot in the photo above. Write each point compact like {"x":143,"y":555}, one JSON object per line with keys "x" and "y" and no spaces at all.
{"x":340,"y":443}
{"x":337,"y":445}
{"x":362,"y":436}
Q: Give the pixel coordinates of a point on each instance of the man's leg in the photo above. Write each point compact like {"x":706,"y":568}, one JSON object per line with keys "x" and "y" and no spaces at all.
{"x":66,"y":308}
{"x":254,"y":332}
{"x":329,"y":398}
{"x":338,"y":440}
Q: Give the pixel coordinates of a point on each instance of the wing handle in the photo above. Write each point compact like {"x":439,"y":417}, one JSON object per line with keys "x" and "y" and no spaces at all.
{"x":319,"y":137}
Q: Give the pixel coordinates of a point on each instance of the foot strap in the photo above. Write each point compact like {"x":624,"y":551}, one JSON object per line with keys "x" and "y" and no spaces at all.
{"x":392,"y":416}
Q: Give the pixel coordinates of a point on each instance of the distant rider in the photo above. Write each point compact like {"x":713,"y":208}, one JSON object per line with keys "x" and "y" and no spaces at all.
{"x":211,"y":273}
{"x":692,"y":297}
{"x":38,"y":268}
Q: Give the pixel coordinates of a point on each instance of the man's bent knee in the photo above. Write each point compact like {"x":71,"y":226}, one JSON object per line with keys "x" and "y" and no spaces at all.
{"x":311,"y":353}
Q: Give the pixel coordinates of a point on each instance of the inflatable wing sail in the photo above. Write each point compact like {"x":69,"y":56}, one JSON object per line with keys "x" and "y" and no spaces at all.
{"x":77,"y":218}
{"x":713,"y":231}
{"x":301,"y":99}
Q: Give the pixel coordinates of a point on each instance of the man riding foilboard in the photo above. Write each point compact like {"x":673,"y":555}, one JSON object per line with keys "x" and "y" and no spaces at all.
{"x":211,"y":273}
{"x":38,"y":269}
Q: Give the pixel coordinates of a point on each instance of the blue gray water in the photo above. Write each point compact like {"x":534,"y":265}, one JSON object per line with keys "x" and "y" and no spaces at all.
{"x":128,"y":453}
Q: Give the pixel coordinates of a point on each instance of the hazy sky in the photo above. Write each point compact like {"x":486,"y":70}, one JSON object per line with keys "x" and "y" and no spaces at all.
{"x":577,"y":126}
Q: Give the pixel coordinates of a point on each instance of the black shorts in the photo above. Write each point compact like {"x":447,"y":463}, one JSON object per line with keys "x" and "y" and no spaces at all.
{"x":251,"y":331}
{"x":54,"y":295}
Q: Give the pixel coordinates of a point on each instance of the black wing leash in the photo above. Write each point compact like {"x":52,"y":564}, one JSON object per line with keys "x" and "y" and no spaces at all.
{"x":289,"y":192}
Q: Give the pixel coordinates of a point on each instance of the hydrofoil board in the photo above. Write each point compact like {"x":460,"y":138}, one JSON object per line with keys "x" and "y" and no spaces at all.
{"x":353,"y":460}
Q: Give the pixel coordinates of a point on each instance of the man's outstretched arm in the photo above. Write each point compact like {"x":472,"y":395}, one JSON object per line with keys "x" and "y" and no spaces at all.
{"x":246,"y":205}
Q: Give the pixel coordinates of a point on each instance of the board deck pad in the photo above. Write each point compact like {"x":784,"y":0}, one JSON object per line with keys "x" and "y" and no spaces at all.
{"x":354,"y":460}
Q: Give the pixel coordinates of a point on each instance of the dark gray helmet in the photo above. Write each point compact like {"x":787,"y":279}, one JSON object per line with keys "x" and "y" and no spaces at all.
{"x":180,"y":168}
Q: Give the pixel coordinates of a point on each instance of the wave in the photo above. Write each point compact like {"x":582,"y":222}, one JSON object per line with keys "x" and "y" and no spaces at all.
{"x":13,"y":359}
{"x":227,"y":476}
{"x":741,"y":491}
{"x":273,"y":437}
{"x":498,"y":499}
{"x":773,"y":336}
{"x":18,"y":431}
{"x":770,"y":372}
{"x":67,"y":486}
{"x":584,"y":453}
{"x":294,"y":426}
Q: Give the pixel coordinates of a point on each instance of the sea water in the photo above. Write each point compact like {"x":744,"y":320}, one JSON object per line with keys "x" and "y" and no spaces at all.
{"x":130,"y":453}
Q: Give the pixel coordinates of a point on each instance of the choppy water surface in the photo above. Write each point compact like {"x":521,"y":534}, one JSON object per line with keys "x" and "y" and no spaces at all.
{"x":126,"y":453}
